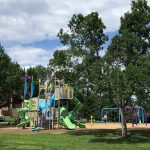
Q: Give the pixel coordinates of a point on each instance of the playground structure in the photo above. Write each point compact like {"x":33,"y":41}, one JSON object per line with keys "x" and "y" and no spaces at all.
{"x":108,"y":110}
{"x":26,"y":113}
{"x":51,"y":111}
{"x":138,"y":114}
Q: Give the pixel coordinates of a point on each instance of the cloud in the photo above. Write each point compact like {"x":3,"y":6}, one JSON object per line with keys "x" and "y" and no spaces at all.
{"x":31,"y":20}
{"x":30,"y":56}
{"x":23,"y":22}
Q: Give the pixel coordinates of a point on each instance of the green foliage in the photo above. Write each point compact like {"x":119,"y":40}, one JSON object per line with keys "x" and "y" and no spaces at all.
{"x":133,"y":39}
{"x":130,"y":50}
{"x":10,"y":83}
{"x":61,"y":65}
{"x":126,"y":72}
{"x":86,"y":34}
{"x":85,"y":38}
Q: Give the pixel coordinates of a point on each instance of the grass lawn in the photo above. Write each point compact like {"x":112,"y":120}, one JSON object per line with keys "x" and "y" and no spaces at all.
{"x":80,"y":140}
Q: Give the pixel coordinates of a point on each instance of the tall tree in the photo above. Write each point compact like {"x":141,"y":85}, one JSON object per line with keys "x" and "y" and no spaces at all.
{"x":85,"y":39}
{"x":10,"y":82}
{"x":124,"y":53}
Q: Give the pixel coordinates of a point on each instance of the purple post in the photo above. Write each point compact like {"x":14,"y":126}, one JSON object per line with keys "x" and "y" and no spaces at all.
{"x":146,"y":117}
{"x":132,"y":117}
{"x":136,"y":119}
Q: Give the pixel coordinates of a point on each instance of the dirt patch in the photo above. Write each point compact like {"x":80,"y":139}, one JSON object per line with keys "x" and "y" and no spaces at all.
{"x":15,"y":130}
{"x":114,"y":126}
{"x":94,"y":126}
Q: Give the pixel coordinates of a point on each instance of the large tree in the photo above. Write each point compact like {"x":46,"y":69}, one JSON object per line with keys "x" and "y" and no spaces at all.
{"x":85,"y":38}
{"x":10,"y":79}
{"x":124,"y":54}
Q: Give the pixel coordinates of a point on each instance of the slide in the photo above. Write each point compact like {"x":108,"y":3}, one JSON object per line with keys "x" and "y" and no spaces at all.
{"x":78,"y":123}
{"x":23,"y":124}
{"x":43,"y":105}
{"x":64,"y":119}
{"x":68,"y":123}
{"x":71,"y":114}
{"x":25,"y":119}
{"x":50,"y":103}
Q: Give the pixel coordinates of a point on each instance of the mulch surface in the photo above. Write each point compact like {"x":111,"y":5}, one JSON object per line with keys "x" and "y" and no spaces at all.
{"x":94,"y":126}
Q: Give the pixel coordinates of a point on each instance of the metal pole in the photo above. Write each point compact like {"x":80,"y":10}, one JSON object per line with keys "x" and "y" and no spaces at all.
{"x":143,"y":116}
{"x":119,"y":115}
{"x":138,"y":116}
{"x":38,"y":104}
{"x":59,"y":105}
{"x":132,"y":116}
{"x":107,"y":116}
{"x":49,"y":110}
{"x":146,"y":117}
{"x":102,"y":116}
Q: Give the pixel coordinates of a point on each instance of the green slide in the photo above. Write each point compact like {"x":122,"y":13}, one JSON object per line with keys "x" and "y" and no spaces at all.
{"x":64,"y":119}
{"x":71,"y":114}
{"x":23,"y":124}
{"x":78,"y":123}
{"x":25,"y":119}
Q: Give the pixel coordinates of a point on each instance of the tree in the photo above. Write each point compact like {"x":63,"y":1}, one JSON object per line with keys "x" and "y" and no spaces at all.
{"x":61,"y":65}
{"x":133,"y":39}
{"x":41,"y":72}
{"x":142,"y":82}
{"x":10,"y":83}
{"x":124,"y":54}
{"x":85,"y":39}
{"x":86,"y":35}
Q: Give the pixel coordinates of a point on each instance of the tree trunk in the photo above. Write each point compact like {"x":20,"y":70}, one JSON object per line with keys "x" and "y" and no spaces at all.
{"x":123,"y":121}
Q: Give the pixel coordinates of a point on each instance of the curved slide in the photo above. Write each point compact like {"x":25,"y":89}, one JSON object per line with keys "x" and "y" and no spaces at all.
{"x":64,"y":119}
{"x":23,"y":124}
{"x":78,"y":123}
{"x":26,"y":119}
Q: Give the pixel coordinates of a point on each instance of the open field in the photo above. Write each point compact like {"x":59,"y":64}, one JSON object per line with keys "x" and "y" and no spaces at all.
{"x":102,"y":139}
{"x":80,"y":139}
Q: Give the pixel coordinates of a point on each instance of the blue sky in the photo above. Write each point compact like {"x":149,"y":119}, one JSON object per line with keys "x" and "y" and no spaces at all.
{"x":28,"y":28}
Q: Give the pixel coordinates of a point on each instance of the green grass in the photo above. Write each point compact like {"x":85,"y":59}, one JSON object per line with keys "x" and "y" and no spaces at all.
{"x":9,"y":119}
{"x":83,"y":140}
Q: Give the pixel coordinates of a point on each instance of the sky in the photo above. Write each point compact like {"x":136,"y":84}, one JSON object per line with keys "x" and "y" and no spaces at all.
{"x":28,"y":28}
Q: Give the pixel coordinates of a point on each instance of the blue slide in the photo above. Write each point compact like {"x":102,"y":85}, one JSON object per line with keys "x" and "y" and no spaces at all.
{"x":43,"y":105}
{"x":50,"y":103}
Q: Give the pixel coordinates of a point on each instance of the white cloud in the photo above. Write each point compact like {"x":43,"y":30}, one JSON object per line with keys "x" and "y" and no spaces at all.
{"x":31,"y":20}
{"x":30,"y":56}
{"x":23,"y":21}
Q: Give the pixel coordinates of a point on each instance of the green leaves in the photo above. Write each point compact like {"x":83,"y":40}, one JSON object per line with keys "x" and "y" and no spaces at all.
{"x":133,"y":39}
{"x":85,"y":35}
{"x":10,"y":83}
